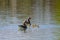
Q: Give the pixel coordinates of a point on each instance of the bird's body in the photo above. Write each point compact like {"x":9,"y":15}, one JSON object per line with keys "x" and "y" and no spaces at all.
{"x":22,"y":27}
{"x":25,"y":27}
{"x":25,"y":24}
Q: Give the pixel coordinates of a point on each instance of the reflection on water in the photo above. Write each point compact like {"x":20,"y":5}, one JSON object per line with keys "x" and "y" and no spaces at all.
{"x":9,"y":30}
{"x":9,"y":21}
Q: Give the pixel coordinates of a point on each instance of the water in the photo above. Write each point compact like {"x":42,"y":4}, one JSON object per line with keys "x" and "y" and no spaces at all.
{"x":47,"y":29}
{"x":9,"y":30}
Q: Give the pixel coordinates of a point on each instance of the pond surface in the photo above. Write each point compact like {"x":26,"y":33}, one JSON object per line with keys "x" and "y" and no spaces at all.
{"x":9,"y":30}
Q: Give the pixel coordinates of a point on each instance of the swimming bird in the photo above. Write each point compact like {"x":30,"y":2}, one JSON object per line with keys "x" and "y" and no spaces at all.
{"x":23,"y":27}
{"x":27,"y":21}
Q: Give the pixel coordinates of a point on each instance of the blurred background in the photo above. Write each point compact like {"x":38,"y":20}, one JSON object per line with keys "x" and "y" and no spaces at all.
{"x":42,"y":12}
